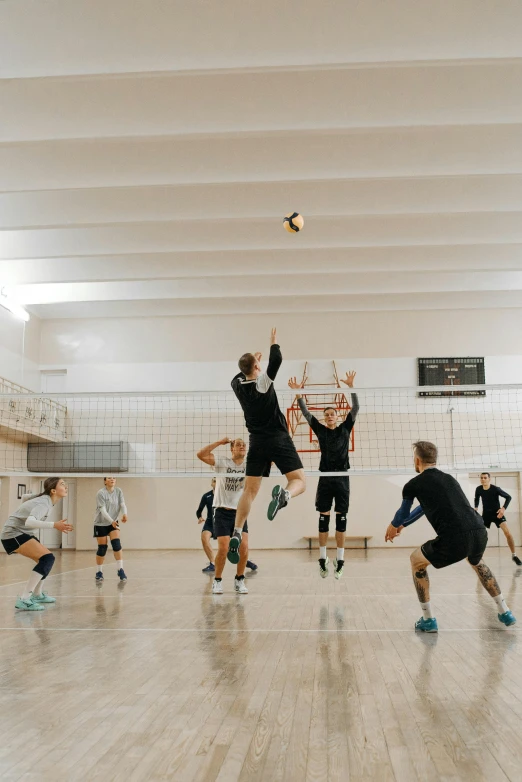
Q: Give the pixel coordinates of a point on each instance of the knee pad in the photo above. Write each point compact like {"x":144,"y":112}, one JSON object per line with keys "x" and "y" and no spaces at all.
{"x":44,"y":565}
{"x":340,"y":522}
{"x":116,"y":544}
{"x":324,"y":522}
{"x":102,"y":550}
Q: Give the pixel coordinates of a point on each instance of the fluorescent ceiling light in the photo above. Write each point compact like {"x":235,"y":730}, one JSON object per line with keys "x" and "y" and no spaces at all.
{"x":13,"y":307}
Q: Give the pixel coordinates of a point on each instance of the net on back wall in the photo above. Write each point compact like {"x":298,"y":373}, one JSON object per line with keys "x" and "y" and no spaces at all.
{"x":159,"y":434}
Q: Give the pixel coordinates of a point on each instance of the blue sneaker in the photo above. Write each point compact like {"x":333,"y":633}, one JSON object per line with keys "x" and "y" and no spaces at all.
{"x":427,"y":625}
{"x":233,"y":548}
{"x":99,"y":576}
{"x":507,"y":618}
{"x":251,"y":565}
{"x":43,"y":597}
{"x":121,"y":574}
{"x":210,"y":568}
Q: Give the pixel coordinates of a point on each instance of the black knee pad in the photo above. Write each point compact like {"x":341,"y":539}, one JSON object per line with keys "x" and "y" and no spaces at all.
{"x":102,"y":550}
{"x":116,"y":544}
{"x":44,"y":565}
{"x":340,"y":522}
{"x":324,"y":522}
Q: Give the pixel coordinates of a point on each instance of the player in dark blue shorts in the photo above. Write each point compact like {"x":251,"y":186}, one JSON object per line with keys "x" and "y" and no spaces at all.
{"x":207,"y":532}
{"x":461,"y":533}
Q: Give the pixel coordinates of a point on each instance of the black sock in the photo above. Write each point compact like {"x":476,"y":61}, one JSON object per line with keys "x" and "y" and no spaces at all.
{"x":218,"y":579}
{"x":240,"y":578}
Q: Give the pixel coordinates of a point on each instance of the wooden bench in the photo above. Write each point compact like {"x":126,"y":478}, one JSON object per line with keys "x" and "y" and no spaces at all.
{"x":331,"y":540}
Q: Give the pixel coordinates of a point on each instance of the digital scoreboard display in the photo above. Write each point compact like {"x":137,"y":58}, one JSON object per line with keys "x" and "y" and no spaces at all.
{"x":451,"y":372}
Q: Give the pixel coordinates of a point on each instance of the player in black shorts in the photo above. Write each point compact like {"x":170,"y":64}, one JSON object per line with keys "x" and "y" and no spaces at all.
{"x":207,"y":531}
{"x":334,"y":442}
{"x":461,"y":533}
{"x":493,"y":511}
{"x":270,"y":440}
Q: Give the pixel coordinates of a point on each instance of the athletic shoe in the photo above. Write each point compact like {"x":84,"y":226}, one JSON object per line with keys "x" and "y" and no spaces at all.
{"x":253,"y":566}
{"x":280,"y":498}
{"x":99,"y":576}
{"x":517,"y":561}
{"x":507,"y":618}
{"x":233,"y":548}
{"x":28,"y":605}
{"x":121,"y":574}
{"x":323,"y":567}
{"x":339,"y":568}
{"x":217,"y":587}
{"x":427,"y":625}
{"x":210,"y":568}
{"x":240,"y":586}
{"x":43,"y":597}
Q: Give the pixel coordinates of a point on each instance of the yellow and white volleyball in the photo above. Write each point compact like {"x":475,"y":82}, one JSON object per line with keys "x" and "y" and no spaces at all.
{"x":293,"y":222}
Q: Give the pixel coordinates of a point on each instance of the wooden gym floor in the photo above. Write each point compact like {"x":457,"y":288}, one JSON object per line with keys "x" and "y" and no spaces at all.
{"x":303,"y":679}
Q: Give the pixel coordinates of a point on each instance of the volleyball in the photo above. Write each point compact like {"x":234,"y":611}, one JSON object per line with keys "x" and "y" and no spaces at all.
{"x":293,"y":222}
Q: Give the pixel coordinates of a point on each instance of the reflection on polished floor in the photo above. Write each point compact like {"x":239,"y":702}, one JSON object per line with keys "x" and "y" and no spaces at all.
{"x":301,"y":679}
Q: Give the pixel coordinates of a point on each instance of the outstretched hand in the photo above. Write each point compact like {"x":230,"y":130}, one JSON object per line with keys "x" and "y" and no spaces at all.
{"x":273,"y":336}
{"x":392,"y":532}
{"x":350,"y":377}
{"x":293,"y":383}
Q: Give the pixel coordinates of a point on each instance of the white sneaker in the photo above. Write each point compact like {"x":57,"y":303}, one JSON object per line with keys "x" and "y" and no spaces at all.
{"x":240,"y":585}
{"x":217,"y":587}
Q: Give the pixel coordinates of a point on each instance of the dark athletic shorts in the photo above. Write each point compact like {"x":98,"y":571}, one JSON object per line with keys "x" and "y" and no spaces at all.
{"x":12,"y":544}
{"x":279,"y":448}
{"x":489,"y":520}
{"x":330,"y":490}
{"x":224,"y":522}
{"x":446,"y":550}
{"x":208,"y":526}
{"x":100,"y":532}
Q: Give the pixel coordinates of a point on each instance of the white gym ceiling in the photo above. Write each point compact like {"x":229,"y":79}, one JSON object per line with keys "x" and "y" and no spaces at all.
{"x":150,"y":149}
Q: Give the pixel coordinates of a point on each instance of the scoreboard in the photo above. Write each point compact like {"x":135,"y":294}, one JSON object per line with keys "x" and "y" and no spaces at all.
{"x":452,"y":372}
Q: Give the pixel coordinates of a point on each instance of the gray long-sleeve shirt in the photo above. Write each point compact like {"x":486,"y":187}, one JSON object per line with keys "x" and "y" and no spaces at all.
{"x":109,"y":504}
{"x":27,"y":517}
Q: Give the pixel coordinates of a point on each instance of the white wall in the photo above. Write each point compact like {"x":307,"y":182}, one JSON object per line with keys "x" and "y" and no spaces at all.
{"x":20,"y":350}
{"x":189,"y":353}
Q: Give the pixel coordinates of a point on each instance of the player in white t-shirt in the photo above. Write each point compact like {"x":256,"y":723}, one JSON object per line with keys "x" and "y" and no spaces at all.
{"x":230,"y":478}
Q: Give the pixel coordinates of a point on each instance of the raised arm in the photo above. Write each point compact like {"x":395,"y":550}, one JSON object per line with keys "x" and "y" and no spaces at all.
{"x":349,"y":380}
{"x":206,"y":455}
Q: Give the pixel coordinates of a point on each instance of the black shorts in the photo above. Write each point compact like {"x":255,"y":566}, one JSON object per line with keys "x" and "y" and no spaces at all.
{"x":489,"y":520}
{"x":224,"y":522}
{"x":279,"y":449}
{"x":446,"y":550}
{"x":12,"y":545}
{"x":330,"y":489}
{"x":208,"y":526}
{"x":101,"y":532}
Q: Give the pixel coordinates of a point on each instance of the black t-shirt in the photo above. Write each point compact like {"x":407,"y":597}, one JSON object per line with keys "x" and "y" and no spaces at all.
{"x":263,"y":416}
{"x":490,"y":499}
{"x":334,"y":444}
{"x":443,"y":501}
{"x":206,"y":502}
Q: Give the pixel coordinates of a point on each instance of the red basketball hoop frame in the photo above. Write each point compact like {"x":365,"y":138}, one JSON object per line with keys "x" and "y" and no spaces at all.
{"x":317,"y":402}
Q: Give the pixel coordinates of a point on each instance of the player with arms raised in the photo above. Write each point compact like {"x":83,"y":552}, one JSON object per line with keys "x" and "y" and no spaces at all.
{"x":270,"y":440}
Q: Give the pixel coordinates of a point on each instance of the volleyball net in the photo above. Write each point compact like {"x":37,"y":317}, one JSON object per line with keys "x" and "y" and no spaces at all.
{"x":159,"y":435}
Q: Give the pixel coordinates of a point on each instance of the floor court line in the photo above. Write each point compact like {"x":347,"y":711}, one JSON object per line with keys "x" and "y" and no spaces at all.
{"x":236,"y":630}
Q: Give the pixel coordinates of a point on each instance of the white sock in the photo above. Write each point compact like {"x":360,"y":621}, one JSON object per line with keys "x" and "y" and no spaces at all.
{"x":32,"y":582}
{"x":100,"y":568}
{"x":340,"y":555}
{"x":119,"y":564}
{"x":322,"y":552}
{"x":288,"y":496}
{"x":501,"y":604}
{"x":38,"y":588}
{"x":238,"y":531}
{"x":426,"y":610}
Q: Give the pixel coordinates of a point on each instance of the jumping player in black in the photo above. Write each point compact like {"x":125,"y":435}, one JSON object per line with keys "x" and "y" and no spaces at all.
{"x":461,"y":533}
{"x":334,"y":442}
{"x":493,"y":512}
{"x":270,"y":440}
